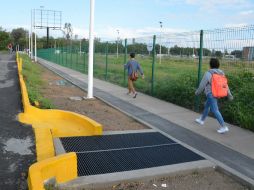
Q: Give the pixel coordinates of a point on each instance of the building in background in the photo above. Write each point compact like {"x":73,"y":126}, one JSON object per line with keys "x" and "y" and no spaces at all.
{"x":248,"y":53}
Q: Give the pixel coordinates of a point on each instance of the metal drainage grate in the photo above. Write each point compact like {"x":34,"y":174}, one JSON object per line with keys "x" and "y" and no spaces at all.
{"x":105,"y":142}
{"x":125,"y":152}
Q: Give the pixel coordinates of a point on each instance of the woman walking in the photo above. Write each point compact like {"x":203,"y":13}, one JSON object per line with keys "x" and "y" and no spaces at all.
{"x":211,"y":102}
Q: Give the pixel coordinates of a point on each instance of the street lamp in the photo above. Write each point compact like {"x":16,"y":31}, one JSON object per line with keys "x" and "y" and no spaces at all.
{"x":31,"y":36}
{"x":117,"y":43}
{"x":160,"y":39}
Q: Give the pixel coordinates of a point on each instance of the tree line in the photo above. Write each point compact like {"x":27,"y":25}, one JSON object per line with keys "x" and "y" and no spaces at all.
{"x":19,"y":36}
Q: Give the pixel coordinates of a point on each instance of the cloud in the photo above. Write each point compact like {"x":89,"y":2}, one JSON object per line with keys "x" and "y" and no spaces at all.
{"x":246,"y":13}
{"x":81,"y":32}
{"x":111,"y":33}
{"x":217,"y":3}
{"x":230,"y":25}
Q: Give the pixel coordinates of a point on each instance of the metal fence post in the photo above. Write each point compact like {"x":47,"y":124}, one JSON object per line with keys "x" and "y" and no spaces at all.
{"x":153,"y":64}
{"x":84,"y":60}
{"x":66,"y":55}
{"x":197,"y":98}
{"x":125,"y":60}
{"x":106,"y":69}
{"x":59,"y":55}
{"x":71,"y":56}
{"x":55,"y":57}
{"x":62,"y":54}
{"x":77,"y":65}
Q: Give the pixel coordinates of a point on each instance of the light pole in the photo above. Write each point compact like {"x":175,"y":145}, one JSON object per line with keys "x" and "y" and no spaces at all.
{"x":91,"y":45}
{"x":31,"y":35}
{"x":35,"y":39}
{"x":117,"y":43}
{"x":35,"y":46}
{"x":29,"y":44}
{"x":160,"y":39}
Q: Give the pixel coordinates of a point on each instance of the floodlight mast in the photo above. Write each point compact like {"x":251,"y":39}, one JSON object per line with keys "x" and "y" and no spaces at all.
{"x":160,"y":39}
{"x":91,"y":52}
{"x":38,"y":22}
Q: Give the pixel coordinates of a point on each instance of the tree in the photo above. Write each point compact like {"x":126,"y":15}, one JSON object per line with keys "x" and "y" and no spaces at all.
{"x":68,"y":30}
{"x":218,"y":54}
{"x":237,"y":53}
{"x":226,"y":52}
{"x":19,"y":36}
{"x":4,"y":40}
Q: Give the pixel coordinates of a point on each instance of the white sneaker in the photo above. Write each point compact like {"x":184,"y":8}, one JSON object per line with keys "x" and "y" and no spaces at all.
{"x":199,"y":121}
{"x":222,"y":130}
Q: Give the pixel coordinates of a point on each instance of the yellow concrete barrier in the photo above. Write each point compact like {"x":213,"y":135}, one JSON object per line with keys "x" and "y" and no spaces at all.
{"x":44,"y":143}
{"x":64,"y":123}
{"x":60,"y":123}
{"x":48,"y":124}
{"x":63,"y":168}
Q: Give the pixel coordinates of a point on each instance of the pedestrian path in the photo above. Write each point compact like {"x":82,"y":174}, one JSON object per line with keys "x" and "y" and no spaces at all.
{"x":233,"y":151}
{"x":16,"y":140}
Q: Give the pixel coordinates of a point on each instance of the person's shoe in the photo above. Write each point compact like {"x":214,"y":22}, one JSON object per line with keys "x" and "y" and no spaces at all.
{"x":128,"y":93}
{"x":222,"y":130}
{"x":199,"y":121}
{"x":135,"y":95}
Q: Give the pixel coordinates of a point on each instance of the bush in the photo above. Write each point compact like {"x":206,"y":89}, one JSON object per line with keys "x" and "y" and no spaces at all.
{"x":240,"y":111}
{"x":179,"y":91}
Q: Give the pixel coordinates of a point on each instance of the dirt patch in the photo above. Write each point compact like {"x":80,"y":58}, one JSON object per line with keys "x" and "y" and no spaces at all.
{"x":59,"y":91}
{"x":197,"y":180}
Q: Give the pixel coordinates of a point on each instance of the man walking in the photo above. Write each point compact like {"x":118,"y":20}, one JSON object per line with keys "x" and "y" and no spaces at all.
{"x":133,"y":66}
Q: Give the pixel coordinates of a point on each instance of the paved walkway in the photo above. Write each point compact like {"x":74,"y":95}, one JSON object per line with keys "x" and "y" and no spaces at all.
{"x":16,"y":140}
{"x":234,"y":151}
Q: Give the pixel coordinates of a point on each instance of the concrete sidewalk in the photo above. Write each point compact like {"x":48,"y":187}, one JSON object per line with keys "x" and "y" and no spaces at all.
{"x":233,"y":151}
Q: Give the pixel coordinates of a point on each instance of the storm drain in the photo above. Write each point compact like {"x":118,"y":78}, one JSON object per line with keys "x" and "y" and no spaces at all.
{"x":125,"y":152}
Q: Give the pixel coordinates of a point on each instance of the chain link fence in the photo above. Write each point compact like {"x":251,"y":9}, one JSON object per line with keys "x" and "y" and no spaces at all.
{"x":173,"y":65}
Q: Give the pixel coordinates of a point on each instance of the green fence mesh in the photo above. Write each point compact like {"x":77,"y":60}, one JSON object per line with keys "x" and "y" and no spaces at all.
{"x":173,"y":67}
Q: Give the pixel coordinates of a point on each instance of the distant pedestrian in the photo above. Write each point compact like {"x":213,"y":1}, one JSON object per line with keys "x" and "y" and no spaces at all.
{"x":207,"y":85}
{"x":133,"y":67}
{"x":9,"y":48}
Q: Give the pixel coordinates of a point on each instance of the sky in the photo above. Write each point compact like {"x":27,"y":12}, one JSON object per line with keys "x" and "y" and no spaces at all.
{"x":133,"y":18}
